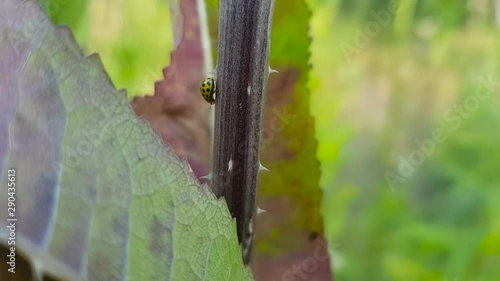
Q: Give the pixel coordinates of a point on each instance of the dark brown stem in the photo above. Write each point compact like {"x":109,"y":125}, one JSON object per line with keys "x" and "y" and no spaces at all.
{"x":241,"y":74}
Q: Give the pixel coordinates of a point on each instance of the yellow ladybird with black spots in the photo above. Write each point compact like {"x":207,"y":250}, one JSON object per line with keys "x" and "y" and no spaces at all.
{"x":207,"y":89}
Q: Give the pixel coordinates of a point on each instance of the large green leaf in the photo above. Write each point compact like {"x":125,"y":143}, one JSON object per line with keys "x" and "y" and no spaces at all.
{"x":98,"y":194}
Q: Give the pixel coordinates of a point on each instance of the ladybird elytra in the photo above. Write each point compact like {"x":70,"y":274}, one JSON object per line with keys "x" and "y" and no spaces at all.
{"x":208,"y":90}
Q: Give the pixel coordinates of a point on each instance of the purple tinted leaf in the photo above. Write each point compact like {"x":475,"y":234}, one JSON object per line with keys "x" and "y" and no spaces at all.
{"x":177,"y":111}
{"x":99,"y":196}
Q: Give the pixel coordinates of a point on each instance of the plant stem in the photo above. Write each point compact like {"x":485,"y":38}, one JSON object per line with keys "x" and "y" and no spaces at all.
{"x":241,"y":75}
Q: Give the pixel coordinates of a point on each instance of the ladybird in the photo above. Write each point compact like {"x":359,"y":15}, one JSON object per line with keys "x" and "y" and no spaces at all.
{"x":207,"y":90}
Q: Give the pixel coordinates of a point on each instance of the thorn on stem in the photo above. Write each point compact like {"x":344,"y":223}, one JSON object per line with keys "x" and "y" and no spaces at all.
{"x":262,"y":168}
{"x":272,"y":70}
{"x":207,"y":177}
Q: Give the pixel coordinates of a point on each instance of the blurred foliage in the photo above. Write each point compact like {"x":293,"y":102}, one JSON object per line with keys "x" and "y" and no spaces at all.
{"x":371,"y":105}
{"x":133,"y":38}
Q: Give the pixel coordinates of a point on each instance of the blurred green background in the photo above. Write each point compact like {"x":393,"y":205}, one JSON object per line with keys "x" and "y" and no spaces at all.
{"x":406,"y":99}
{"x":375,"y":103}
{"x":133,"y":38}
